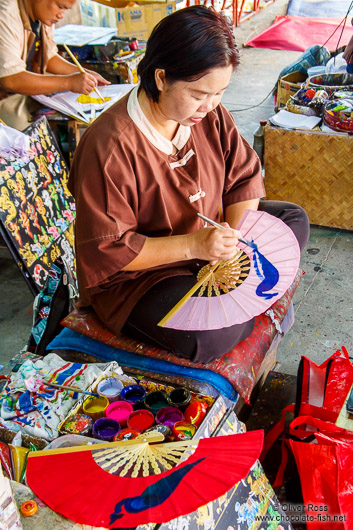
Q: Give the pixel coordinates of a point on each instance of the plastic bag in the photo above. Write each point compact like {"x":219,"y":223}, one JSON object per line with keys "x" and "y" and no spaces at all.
{"x":322,"y":389}
{"x":323,"y":451}
{"x":325,"y":470}
{"x":313,"y":56}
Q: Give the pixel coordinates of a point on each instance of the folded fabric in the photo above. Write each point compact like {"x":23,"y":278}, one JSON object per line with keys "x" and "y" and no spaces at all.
{"x":39,"y":413}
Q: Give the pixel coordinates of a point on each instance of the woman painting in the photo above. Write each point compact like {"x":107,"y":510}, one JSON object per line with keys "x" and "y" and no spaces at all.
{"x":147,"y":166}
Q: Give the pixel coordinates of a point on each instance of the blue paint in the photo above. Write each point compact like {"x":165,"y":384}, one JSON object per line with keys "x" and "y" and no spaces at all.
{"x":266,"y":271}
{"x":153,"y":495}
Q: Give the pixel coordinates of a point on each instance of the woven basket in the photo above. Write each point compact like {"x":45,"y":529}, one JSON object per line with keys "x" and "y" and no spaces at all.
{"x":314,"y":170}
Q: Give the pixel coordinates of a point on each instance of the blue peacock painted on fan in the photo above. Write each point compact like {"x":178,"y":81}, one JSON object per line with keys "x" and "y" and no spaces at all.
{"x":153,"y":495}
{"x":266,"y":271}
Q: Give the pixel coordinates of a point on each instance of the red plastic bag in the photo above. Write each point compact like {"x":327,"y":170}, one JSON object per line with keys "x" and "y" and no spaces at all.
{"x":322,"y":389}
{"x":326,"y":476}
{"x":323,"y":452}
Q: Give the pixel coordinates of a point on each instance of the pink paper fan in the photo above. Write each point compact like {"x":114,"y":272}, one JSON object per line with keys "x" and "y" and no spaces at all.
{"x":274,"y":262}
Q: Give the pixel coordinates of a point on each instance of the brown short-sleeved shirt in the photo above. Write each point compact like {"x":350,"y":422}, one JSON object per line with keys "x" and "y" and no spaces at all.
{"x":128,"y":187}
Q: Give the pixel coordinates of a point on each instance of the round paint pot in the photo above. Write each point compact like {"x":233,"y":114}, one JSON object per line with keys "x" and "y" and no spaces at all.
{"x":134,"y":394}
{"x":110,"y":388}
{"x":140,"y":420}
{"x":126,"y":434}
{"x":195,"y":412}
{"x":119,"y":411}
{"x":95,"y":407}
{"x":183,"y":430}
{"x":156,"y":400}
{"x":163,"y":429}
{"x":179,"y":397}
{"x":169,"y":415}
{"x":105,"y":429}
{"x":78,"y":424}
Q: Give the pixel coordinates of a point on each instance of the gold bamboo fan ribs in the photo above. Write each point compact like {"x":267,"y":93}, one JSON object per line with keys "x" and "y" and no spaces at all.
{"x":228,"y":275}
{"x":142,"y":459}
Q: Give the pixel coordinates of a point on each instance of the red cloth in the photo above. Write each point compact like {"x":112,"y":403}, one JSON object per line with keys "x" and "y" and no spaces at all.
{"x":299,"y":33}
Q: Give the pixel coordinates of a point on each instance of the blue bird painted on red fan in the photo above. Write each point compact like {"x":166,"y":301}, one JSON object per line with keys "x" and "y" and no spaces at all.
{"x":153,"y":495}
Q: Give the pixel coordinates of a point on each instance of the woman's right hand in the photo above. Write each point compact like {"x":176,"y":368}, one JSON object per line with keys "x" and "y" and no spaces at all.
{"x":82,"y":83}
{"x":213,"y":244}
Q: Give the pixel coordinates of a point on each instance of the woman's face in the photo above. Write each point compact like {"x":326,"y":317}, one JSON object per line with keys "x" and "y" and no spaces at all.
{"x":188,"y":102}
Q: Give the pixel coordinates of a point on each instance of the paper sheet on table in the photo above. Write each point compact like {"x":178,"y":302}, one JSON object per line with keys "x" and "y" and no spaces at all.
{"x":291,"y":120}
{"x":84,"y":107}
{"x":77,"y":35}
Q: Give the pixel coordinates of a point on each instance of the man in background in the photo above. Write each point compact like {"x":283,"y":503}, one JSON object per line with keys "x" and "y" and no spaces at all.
{"x":29,"y":59}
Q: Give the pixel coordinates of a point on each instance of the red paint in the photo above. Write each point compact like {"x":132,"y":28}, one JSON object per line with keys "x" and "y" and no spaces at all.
{"x":141,"y":420}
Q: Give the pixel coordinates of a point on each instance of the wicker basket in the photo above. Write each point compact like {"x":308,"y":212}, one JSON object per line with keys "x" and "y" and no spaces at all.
{"x":314,"y":170}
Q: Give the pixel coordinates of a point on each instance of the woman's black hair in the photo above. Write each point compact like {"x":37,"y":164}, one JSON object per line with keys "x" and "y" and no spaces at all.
{"x":187,"y":44}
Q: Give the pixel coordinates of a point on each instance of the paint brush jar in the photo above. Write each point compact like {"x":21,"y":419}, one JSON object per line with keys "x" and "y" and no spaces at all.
{"x":105,"y":429}
{"x":169,"y":416}
{"x":110,"y":388}
{"x":95,"y":407}
{"x":179,"y":397}
{"x":135,"y":395}
{"x":140,"y":420}
{"x":156,"y":400}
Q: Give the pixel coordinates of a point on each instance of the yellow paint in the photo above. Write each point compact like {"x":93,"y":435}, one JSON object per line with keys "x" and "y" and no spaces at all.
{"x":318,"y":334}
{"x":95,"y":407}
{"x":83,"y":98}
{"x":291,"y":344}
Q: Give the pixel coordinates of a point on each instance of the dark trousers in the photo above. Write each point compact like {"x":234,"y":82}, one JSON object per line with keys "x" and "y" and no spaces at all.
{"x":200,"y":346}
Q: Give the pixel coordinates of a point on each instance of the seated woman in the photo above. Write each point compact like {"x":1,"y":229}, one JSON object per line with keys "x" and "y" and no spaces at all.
{"x":146,"y":167}
{"x":27,"y":52}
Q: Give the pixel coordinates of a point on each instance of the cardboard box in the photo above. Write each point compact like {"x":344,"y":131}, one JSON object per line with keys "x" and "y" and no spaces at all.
{"x":288,"y":85}
{"x":94,"y":14}
{"x":137,"y":20}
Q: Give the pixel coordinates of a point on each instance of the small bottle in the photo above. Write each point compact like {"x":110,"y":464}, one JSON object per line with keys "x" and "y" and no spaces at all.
{"x":259,"y":137}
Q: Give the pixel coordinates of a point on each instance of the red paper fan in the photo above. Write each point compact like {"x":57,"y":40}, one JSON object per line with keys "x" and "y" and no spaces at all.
{"x":72,"y":482}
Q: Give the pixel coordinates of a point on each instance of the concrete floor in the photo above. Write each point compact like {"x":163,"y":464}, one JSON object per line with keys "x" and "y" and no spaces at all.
{"x":324,"y":300}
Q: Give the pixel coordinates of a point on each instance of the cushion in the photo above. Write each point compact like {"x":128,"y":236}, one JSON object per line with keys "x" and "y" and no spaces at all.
{"x":235,"y":372}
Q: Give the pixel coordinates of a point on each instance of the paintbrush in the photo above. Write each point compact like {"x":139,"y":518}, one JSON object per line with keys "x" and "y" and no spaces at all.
{"x":81,"y":69}
{"x":71,"y":388}
{"x":217,"y":225}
